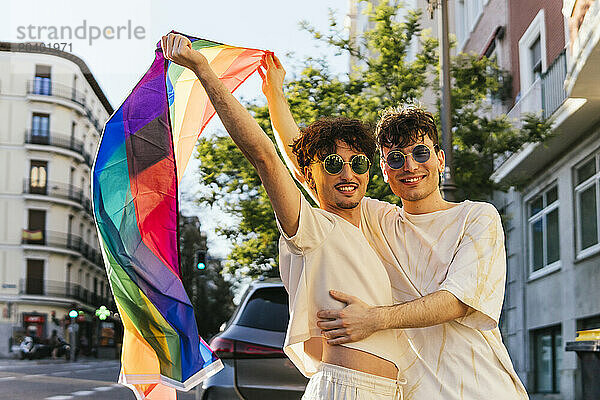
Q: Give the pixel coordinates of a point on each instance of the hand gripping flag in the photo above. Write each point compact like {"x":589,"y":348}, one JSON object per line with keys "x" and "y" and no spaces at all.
{"x":143,"y":152}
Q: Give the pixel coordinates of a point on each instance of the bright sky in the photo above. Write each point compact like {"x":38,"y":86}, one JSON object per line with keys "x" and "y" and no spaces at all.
{"x":118,"y":63}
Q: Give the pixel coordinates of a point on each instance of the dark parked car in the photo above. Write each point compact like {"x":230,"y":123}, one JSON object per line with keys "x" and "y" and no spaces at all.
{"x":251,"y":348}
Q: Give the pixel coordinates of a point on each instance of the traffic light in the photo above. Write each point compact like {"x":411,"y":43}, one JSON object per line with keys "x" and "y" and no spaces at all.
{"x":200,"y":259}
{"x":73,"y":313}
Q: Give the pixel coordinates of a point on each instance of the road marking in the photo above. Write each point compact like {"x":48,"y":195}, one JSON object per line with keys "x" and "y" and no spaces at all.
{"x":83,"y":393}
{"x":104,"y":388}
{"x":7,"y":378}
{"x":34,"y":376}
{"x":59,"y":398}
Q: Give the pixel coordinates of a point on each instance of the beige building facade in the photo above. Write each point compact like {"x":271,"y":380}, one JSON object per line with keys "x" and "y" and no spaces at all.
{"x":51,"y":114}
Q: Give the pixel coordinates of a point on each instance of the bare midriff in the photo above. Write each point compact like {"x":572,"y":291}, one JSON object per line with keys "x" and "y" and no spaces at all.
{"x":351,"y":358}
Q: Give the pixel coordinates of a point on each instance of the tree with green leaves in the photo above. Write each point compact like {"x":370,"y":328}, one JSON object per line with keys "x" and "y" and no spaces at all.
{"x":385,"y":75}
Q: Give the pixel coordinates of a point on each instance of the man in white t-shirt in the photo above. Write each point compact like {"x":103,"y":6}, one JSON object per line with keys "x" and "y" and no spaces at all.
{"x":446,"y":263}
{"x":320,"y":248}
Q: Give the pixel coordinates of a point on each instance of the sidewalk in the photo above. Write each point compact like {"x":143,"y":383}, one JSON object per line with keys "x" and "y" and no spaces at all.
{"x":61,"y":360}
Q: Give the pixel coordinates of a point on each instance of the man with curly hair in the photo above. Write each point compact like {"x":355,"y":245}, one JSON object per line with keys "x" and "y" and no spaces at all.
{"x":321,"y":248}
{"x":446,"y":262}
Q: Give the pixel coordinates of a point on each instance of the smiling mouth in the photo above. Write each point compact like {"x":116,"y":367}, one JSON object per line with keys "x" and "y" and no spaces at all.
{"x":346,"y":188}
{"x":412,"y":180}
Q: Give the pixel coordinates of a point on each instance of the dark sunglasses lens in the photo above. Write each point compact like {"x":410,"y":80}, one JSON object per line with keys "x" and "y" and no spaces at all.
{"x":360,"y":164}
{"x":421,"y":153}
{"x":333,"y":164}
{"x":395,"y":160}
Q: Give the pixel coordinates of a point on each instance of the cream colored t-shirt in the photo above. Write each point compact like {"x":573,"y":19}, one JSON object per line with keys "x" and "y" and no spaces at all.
{"x":329,"y":253}
{"x":460,"y":250}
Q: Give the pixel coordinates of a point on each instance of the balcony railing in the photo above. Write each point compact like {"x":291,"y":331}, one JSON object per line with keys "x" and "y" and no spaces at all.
{"x":53,"y":139}
{"x":62,"y":240}
{"x":48,"y":138}
{"x":54,"y":189}
{"x":553,"y":85}
{"x":529,"y":102}
{"x":43,"y":87}
{"x":43,"y":287}
{"x":545,"y":95}
{"x":52,"y":239}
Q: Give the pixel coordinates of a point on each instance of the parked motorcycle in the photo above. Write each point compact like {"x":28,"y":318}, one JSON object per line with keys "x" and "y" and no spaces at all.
{"x":30,"y":348}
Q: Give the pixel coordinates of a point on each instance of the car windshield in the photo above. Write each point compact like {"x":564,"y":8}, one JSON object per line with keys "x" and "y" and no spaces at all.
{"x":266,"y":309}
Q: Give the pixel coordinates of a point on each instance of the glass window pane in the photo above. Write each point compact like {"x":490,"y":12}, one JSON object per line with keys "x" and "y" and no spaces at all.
{"x":537,"y":245}
{"x":543,"y":363}
{"x":588,"y":218}
{"x":551,"y":196}
{"x":267,"y":309}
{"x":586,"y":170}
{"x":558,"y":352}
{"x":552,"y":237}
{"x":536,"y":206}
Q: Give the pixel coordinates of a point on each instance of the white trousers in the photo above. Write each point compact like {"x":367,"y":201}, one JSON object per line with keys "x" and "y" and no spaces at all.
{"x":333,"y":382}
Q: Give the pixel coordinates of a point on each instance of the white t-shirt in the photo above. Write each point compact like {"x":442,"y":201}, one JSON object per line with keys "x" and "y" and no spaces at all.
{"x":460,"y":250}
{"x":329,"y":253}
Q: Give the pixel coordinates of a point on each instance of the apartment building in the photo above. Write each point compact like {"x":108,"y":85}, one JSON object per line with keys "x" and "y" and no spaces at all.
{"x":550,"y":48}
{"x":552,"y":223}
{"x":52,"y":111}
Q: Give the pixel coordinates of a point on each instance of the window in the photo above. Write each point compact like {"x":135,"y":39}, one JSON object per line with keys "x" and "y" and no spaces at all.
{"x":35,"y":277}
{"x":266,"y":309}
{"x":40,"y":128}
{"x":467,"y":15}
{"x":544,"y":236}
{"x":36,"y":227}
{"x":38,"y":175}
{"x":42,"y":83}
{"x":589,"y":323}
{"x":536,"y":58}
{"x":586,"y":202}
{"x":73,"y":129}
{"x":68,"y":278}
{"x":532,"y":52}
{"x":547,"y":356}
{"x":74,"y":89}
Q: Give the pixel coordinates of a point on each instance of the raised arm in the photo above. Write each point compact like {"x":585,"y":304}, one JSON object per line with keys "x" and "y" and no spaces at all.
{"x":283,"y":123}
{"x":244,"y":130}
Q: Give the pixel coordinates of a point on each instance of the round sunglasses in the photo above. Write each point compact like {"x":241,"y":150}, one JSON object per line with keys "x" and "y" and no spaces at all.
{"x":421,"y":153}
{"x":334,"y":163}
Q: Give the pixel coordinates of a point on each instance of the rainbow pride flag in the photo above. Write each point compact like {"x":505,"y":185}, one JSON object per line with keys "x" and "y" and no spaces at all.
{"x":143,"y":152}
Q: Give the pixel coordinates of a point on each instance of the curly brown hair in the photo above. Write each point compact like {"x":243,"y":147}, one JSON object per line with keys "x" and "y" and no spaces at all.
{"x":318,"y":140}
{"x":404,"y":126}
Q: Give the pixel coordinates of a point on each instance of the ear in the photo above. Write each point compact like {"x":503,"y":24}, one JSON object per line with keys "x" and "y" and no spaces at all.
{"x":382,"y":166}
{"x":441,"y":156}
{"x":310,"y":179}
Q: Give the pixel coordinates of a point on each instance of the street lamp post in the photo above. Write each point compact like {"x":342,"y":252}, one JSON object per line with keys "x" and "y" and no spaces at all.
{"x":447,"y":186}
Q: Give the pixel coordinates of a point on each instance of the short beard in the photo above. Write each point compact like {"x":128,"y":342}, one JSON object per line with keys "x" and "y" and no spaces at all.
{"x":347,"y":205}
{"x":420,"y":196}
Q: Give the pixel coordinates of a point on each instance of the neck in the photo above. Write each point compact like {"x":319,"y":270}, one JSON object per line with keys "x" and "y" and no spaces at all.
{"x":433,"y":202}
{"x":351,"y":215}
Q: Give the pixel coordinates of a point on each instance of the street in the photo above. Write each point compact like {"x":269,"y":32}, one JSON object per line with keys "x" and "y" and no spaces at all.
{"x":58,"y":380}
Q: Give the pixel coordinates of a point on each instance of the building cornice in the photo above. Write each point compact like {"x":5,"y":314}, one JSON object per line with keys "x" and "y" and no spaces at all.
{"x":15,"y":47}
